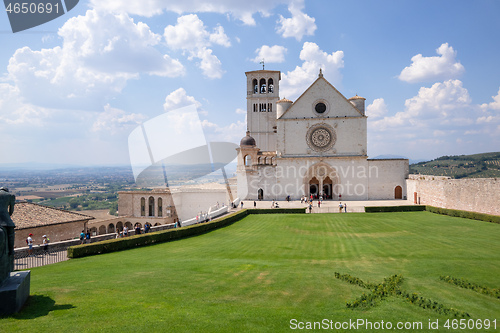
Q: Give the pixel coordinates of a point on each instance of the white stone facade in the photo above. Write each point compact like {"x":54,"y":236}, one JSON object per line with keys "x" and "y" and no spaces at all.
{"x":319,"y":148}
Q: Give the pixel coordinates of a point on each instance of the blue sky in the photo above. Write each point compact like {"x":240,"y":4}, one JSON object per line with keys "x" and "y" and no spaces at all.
{"x":73,"y":89}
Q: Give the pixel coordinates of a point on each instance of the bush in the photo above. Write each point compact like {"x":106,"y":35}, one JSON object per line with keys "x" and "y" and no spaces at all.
{"x":126,"y":243}
{"x":464,"y":214}
{"x":278,"y":211}
{"x":381,"y":209}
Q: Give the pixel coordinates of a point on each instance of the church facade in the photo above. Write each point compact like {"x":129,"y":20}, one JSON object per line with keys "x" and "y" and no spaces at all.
{"x":313,"y":146}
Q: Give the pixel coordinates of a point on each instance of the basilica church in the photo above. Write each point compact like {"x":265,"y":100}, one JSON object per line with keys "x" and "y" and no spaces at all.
{"x":315,"y":146}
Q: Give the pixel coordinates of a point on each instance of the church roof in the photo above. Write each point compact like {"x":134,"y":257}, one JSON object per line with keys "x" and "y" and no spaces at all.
{"x":321,"y":77}
{"x":248,"y":140}
{"x":284,"y":100}
{"x":29,"y":215}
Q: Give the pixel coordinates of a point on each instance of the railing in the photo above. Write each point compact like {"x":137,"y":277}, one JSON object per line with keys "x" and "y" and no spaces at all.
{"x":206,"y":217}
{"x":22,"y":260}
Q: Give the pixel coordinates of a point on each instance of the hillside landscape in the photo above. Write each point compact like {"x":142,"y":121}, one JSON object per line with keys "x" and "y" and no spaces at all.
{"x":485,"y":165}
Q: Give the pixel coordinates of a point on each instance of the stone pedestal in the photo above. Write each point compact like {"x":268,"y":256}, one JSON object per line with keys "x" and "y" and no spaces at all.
{"x":14,"y":292}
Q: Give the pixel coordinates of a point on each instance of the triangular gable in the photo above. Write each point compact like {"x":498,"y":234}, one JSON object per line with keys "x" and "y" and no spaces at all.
{"x":323,"y":90}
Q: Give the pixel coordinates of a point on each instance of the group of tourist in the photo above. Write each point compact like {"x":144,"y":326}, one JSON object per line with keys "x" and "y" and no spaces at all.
{"x":137,"y":228}
{"x":30,"y":242}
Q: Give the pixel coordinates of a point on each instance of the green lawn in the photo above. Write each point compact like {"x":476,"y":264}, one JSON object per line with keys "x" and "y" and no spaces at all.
{"x":260,"y":273}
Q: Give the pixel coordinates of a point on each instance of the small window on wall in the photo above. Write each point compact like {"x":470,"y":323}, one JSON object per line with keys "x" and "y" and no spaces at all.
{"x":151,"y":206}
{"x":255,"y":86}
{"x":321,"y":108}
{"x":160,"y":207}
{"x":143,"y":207}
{"x":248,"y":161}
{"x":270,"y":86}
{"x":255,"y":108}
{"x":270,"y":107}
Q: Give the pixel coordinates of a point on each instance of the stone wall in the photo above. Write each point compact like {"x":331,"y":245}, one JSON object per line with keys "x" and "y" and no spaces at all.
{"x":55,"y":232}
{"x":471,"y":194}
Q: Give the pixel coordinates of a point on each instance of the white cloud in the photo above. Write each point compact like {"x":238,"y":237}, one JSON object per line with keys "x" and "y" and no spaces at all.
{"x":495,"y":105}
{"x":178,"y":99}
{"x":191,"y":35}
{"x":432,"y":123}
{"x":443,"y":104}
{"x":230,"y":133}
{"x":13,"y":112}
{"x":297,"y":81}
{"x":99,"y":54}
{"x":240,"y":111}
{"x":271,"y":54}
{"x":440,"y":67}
{"x":113,"y":120}
{"x":242,"y":10}
{"x":299,"y":25}
{"x":377,"y":109}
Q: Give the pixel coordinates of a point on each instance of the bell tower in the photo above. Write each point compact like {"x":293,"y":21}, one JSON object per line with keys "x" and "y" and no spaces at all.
{"x":262,"y":95}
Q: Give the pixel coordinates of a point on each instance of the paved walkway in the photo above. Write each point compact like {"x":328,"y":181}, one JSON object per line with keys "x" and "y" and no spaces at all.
{"x":329,"y":206}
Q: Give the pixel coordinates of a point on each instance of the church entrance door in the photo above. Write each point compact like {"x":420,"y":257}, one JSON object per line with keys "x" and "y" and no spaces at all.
{"x":314,"y":187}
{"x":327,"y":188}
{"x":260,"y":194}
{"x":398,"y":192}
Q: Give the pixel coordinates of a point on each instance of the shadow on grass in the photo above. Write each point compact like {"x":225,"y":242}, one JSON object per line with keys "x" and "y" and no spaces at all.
{"x":39,"y":306}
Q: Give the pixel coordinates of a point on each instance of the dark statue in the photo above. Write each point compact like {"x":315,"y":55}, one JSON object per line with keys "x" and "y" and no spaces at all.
{"x":7,"y":234}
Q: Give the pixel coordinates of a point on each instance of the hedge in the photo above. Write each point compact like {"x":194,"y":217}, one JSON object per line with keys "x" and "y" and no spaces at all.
{"x":464,"y":214}
{"x":126,"y":243}
{"x":444,"y":211}
{"x":278,"y":211}
{"x":380,"y":209}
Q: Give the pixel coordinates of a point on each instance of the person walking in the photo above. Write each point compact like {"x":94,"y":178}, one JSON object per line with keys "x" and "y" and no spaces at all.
{"x":82,"y":237}
{"x":242,"y":205}
{"x":29,"y":242}
{"x":340,"y":207}
{"x":254,"y":204}
{"x":345,"y":207}
{"x":45,"y":243}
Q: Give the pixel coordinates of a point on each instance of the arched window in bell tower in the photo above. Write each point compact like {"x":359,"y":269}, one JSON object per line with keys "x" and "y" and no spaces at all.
{"x":248,"y":160}
{"x":255,"y":86}
{"x":270,"y":86}
{"x":262,"y":86}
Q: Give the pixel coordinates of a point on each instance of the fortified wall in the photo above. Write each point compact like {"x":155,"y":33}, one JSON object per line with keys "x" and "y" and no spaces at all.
{"x":472,"y":194}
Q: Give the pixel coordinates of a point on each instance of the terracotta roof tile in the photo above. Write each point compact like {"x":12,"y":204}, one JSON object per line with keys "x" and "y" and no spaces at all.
{"x":28,"y":215}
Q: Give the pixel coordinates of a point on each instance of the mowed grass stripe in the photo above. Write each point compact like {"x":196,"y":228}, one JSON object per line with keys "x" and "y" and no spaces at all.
{"x":259,"y":273}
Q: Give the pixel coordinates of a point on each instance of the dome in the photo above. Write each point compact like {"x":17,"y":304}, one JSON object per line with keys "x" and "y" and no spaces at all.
{"x":284,"y":100}
{"x":357,"y":97}
{"x":248,"y":140}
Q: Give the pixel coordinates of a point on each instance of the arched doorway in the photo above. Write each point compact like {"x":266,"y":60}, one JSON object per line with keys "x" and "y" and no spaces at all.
{"x":398,"y":192}
{"x":314,"y":187}
{"x":322,"y":179}
{"x":111,"y":228}
{"x":102,"y":230}
{"x":260,"y":194}
{"x":119,"y":226}
{"x":327,"y":188}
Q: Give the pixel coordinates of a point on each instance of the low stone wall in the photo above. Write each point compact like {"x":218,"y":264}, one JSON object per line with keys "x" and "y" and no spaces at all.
{"x":471,"y":194}
{"x":61,"y":246}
